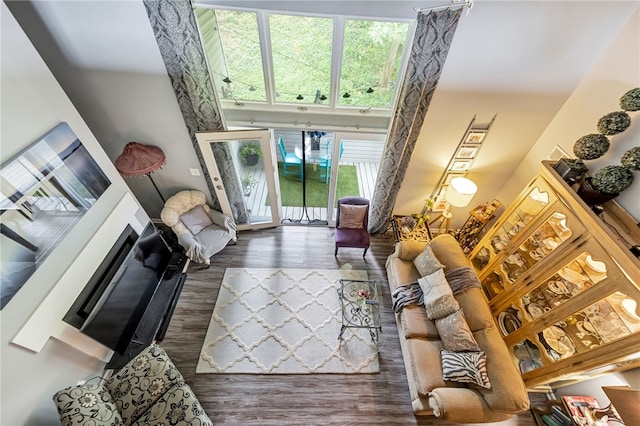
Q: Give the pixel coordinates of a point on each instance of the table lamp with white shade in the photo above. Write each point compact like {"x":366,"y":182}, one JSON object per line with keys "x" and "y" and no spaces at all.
{"x":459,"y":193}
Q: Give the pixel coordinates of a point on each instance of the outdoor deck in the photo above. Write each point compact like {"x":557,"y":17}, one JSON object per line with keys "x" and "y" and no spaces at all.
{"x":257,"y":201}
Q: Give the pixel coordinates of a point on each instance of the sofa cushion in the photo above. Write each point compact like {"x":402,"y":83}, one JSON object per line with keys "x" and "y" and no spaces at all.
{"x":425,"y":365}
{"x":86,"y":404}
{"x":415,"y":323}
{"x":426,"y":262}
{"x":178,"y":406}
{"x":142,"y":381}
{"x":476,"y":310}
{"x":465,"y":367}
{"x":448,"y":251}
{"x":400,"y":272}
{"x":455,"y":334}
{"x":196,"y":219}
{"x":438,"y":299}
{"x":409,"y":249}
{"x":508,"y":393}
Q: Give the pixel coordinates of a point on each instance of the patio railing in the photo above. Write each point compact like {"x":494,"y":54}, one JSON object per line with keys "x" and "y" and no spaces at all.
{"x":256,"y":201}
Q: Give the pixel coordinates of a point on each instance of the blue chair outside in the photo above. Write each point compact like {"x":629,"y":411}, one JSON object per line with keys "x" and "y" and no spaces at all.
{"x":289,"y":160}
{"x":324,"y":166}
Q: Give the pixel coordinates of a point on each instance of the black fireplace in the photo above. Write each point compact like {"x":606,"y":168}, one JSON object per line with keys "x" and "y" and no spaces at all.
{"x":129,"y":300}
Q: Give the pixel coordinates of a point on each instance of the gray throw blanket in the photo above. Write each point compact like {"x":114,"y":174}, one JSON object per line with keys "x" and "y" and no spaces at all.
{"x":459,"y":279}
{"x":407,"y":294}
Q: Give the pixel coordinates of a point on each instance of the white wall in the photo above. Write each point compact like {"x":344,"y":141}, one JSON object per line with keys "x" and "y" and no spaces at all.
{"x":616,"y":72}
{"x":32,"y":103}
{"x":523,"y":111}
{"x":118,"y":82}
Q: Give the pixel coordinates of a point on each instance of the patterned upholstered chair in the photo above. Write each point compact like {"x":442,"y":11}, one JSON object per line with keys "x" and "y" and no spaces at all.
{"x":202,"y":231}
{"x":352,"y":222}
{"x":147,"y":390}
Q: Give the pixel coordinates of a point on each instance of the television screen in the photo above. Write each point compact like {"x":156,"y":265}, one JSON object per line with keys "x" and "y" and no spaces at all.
{"x":116,"y":315}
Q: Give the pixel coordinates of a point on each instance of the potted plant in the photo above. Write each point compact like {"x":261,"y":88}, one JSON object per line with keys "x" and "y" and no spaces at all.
{"x":595,"y":145}
{"x":247,"y":184}
{"x":591,"y":146}
{"x":630,"y":101}
{"x":570,"y":169}
{"x":250,"y":154}
{"x":606,"y":184}
{"x":631,"y":158}
{"x":614,"y":123}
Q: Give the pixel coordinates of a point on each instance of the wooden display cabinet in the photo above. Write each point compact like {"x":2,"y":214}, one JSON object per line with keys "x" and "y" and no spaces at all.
{"x":562,"y":284}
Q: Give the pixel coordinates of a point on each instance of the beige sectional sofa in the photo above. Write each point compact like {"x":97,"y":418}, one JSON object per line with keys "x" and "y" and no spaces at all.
{"x":421,"y":346}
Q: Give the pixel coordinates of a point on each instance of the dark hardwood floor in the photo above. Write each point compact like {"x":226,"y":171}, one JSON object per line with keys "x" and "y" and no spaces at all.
{"x":322,"y":399}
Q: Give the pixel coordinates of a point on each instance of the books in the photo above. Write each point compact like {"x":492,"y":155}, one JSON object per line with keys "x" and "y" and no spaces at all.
{"x":559,"y":415}
{"x":549,"y":420}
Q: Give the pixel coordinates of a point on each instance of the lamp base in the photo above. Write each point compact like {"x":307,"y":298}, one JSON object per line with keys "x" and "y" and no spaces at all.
{"x":445,"y":221}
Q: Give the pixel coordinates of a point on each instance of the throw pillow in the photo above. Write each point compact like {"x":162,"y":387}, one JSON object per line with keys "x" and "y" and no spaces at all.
{"x":465,"y":367}
{"x":455,"y":334}
{"x":196,"y":219}
{"x":437,"y":296}
{"x":426,"y":262}
{"x":86,"y":404}
{"x":352,"y":216}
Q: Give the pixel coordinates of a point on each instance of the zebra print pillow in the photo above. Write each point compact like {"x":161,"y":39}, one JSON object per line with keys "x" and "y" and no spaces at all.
{"x":465,"y":367}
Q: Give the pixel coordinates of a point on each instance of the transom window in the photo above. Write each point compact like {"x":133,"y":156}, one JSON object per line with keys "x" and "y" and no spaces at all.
{"x":280,"y":59}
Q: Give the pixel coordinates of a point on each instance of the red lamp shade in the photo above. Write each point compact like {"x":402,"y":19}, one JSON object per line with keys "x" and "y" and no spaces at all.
{"x":139,"y":160}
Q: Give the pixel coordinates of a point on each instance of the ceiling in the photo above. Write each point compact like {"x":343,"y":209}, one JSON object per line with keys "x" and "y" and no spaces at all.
{"x":519,"y":60}
{"x":499,"y":45}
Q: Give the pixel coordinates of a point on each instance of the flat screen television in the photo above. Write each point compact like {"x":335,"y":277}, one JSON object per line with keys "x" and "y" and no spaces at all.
{"x":113,"y":317}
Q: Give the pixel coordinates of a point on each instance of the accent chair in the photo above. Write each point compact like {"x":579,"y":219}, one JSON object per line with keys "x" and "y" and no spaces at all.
{"x":147,"y":390}
{"x":289,"y":160}
{"x":201,"y":230}
{"x":324,"y":166}
{"x":352,"y":222}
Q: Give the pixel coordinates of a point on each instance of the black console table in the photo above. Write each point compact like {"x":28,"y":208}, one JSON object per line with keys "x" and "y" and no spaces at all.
{"x":158,"y":313}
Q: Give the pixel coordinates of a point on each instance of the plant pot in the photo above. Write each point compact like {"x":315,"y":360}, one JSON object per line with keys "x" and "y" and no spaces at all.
{"x":251,"y":159}
{"x":590,"y":196}
{"x":567,"y":172}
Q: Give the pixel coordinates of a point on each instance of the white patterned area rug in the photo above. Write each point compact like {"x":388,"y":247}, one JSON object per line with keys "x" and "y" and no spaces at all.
{"x":284,"y":321}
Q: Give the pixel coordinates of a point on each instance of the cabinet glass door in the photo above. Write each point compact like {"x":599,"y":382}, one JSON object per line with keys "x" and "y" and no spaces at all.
{"x":561,"y":327}
{"x":537,"y":243}
{"x":538,"y":197}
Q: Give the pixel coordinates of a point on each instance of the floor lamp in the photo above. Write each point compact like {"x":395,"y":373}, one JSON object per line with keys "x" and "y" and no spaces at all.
{"x":458,"y":194}
{"x":141,"y":160}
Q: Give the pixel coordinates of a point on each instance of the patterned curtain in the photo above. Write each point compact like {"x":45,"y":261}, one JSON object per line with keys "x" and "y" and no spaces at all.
{"x":434,"y":32}
{"x":174,"y":25}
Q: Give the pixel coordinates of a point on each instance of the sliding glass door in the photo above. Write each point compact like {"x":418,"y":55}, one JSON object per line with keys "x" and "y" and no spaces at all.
{"x":336,"y":164}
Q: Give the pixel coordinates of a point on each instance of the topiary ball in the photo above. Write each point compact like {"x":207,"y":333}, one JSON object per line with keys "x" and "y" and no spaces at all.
{"x":614,"y":123}
{"x":630,"y":101}
{"x":631,"y":158}
{"x":590,"y":147}
{"x":612,"y":180}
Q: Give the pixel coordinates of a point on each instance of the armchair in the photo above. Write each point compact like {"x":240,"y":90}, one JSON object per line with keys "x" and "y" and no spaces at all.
{"x":202,"y":231}
{"x":147,"y":390}
{"x":352,"y":222}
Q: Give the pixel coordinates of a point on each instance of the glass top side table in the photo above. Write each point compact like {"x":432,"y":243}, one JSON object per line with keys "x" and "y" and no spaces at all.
{"x":360,"y":307}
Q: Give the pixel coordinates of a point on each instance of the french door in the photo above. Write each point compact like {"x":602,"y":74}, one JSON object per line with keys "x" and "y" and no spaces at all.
{"x":243,"y":168}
